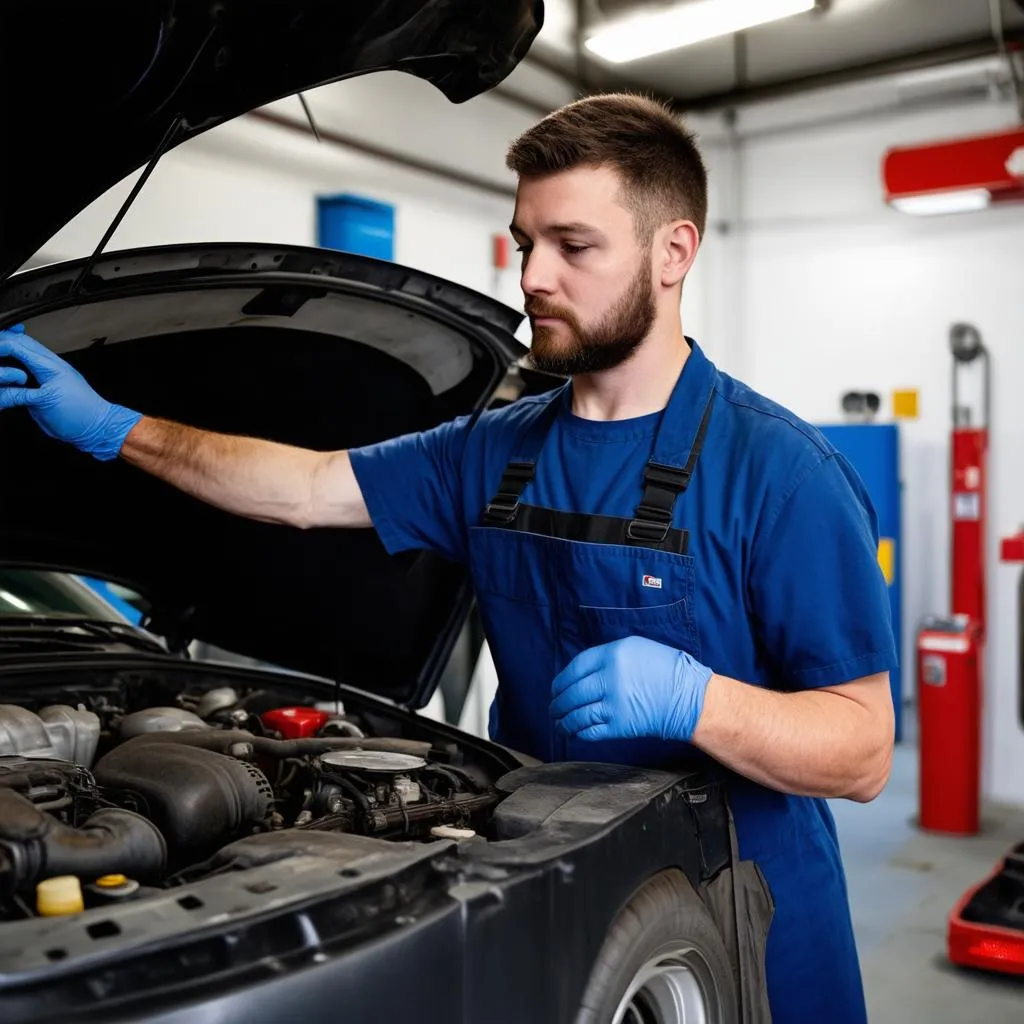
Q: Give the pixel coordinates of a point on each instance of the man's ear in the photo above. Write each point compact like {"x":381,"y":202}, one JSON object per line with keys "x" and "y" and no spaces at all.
{"x":678,"y":244}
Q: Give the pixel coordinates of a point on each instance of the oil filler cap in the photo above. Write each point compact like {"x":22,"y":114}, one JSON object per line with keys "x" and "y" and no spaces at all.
{"x":59,"y":895}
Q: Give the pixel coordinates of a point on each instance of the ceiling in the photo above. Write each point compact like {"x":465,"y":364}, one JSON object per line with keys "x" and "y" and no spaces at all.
{"x":845,"y":40}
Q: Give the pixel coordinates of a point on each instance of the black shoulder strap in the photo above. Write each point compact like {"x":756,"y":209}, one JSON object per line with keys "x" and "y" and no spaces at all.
{"x":519,"y":472}
{"x":662,"y":486}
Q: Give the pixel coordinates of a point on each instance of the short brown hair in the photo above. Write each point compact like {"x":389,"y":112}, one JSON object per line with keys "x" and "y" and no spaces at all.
{"x":663,"y":173}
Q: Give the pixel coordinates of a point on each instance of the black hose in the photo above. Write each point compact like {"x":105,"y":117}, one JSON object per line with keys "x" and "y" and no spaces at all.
{"x":353,"y":791}
{"x":112,"y":840}
{"x":457,"y":777}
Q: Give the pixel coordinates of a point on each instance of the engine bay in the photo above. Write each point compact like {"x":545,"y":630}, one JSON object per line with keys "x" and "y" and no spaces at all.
{"x":137,"y":783}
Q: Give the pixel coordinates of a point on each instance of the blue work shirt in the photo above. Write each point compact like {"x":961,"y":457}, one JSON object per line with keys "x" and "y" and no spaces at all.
{"x":788,"y":594}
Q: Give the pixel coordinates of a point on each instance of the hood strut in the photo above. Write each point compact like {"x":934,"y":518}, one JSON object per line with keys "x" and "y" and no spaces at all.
{"x":309,"y":118}
{"x":165,"y":143}
{"x":162,"y":148}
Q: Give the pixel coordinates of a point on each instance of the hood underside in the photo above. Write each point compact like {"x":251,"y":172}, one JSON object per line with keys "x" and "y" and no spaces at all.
{"x":93,"y":89}
{"x":317,"y":349}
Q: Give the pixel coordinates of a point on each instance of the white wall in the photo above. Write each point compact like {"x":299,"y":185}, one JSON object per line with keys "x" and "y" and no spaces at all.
{"x":829,"y":290}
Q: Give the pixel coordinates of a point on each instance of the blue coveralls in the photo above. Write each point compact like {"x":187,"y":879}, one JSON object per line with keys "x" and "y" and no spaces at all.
{"x":768,"y":575}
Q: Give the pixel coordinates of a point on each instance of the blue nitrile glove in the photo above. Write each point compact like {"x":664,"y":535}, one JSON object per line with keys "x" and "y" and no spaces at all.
{"x":628,"y":689}
{"x":64,"y":405}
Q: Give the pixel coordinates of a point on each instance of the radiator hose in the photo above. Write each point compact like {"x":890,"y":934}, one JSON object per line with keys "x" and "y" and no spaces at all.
{"x":37,"y":845}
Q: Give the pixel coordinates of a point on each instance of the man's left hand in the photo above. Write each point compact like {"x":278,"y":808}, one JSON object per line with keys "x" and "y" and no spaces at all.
{"x":628,"y":689}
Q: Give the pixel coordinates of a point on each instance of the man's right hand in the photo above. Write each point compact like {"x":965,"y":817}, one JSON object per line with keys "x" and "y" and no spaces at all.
{"x":64,"y":405}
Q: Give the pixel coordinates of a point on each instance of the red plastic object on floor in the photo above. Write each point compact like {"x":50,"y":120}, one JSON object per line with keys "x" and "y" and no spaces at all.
{"x":985,"y":929}
{"x":949,"y":709}
{"x":295,"y":723}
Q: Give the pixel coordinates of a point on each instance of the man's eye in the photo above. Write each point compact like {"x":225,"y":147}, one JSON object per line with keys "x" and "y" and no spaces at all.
{"x":574,"y":250}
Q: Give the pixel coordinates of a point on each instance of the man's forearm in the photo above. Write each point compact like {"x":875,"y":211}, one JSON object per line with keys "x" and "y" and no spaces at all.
{"x":260,"y":480}
{"x":810,"y":743}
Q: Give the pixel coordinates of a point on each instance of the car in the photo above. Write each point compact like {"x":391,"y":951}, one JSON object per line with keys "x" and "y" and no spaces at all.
{"x":185,"y":839}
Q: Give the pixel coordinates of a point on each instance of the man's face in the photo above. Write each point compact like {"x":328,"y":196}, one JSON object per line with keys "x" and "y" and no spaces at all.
{"x":587,"y":283}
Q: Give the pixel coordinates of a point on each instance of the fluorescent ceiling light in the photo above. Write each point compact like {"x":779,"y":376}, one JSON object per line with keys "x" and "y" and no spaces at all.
{"x":965,"y":200}
{"x":642,"y":35}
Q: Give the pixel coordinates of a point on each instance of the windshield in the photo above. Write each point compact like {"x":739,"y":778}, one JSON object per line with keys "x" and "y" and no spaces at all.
{"x":43,"y":592}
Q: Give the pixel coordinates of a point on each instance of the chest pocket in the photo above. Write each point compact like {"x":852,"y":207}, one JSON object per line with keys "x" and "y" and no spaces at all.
{"x":673,"y":622}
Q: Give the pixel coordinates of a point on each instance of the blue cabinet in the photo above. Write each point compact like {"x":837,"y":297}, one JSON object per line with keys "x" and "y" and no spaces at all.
{"x":874,"y":451}
{"x":356,"y":224}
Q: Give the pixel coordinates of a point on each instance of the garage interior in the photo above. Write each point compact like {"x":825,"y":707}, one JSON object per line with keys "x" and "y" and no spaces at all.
{"x":819,"y":284}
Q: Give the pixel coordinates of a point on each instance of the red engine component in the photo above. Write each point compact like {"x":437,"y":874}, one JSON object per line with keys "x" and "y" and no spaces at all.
{"x":295,"y":723}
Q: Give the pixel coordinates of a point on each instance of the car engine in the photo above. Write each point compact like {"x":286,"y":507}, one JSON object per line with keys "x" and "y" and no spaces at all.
{"x":147,"y":796}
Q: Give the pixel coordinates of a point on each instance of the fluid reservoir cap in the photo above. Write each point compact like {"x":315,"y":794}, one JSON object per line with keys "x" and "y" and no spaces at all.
{"x":451,"y":832}
{"x":59,"y":895}
{"x":114,"y":886}
{"x":295,"y":723}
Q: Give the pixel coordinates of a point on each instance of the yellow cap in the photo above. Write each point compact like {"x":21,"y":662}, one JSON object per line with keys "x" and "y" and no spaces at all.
{"x":111,"y":881}
{"x":59,"y":895}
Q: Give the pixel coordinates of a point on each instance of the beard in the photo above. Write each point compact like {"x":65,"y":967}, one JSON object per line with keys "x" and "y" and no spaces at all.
{"x":594,"y":347}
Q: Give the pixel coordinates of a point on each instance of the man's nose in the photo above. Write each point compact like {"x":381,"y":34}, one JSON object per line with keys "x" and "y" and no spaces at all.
{"x":538,"y":275}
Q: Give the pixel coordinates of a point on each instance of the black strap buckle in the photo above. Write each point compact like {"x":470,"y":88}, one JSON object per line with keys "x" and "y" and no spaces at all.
{"x":502,"y":509}
{"x":645,"y":530}
{"x":505,"y":504}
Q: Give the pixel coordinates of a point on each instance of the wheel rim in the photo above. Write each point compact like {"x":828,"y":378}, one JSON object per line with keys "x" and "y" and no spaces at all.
{"x":675,"y":986}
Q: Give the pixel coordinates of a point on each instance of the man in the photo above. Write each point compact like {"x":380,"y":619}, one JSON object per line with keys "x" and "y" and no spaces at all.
{"x":669,"y":566}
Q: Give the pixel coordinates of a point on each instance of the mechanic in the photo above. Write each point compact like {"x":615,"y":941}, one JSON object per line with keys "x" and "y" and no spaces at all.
{"x":670,"y":567}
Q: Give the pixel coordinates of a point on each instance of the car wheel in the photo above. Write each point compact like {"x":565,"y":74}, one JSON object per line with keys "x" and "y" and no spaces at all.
{"x":663,"y":962}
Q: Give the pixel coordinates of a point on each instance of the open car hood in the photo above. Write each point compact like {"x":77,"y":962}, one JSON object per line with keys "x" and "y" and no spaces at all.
{"x":309,"y":347}
{"x":92,"y":89}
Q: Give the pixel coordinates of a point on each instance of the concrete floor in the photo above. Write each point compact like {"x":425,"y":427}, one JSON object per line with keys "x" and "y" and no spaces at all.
{"x":903,"y":883}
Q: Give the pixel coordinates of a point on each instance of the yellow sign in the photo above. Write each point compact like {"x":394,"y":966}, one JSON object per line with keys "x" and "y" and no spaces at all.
{"x":887,"y":558}
{"x":904,"y":404}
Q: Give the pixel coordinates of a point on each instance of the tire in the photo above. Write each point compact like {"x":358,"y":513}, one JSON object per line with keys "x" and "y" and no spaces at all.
{"x":662,"y":962}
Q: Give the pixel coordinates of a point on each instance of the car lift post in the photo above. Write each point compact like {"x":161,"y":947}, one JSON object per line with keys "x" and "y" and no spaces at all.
{"x":951,"y":650}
